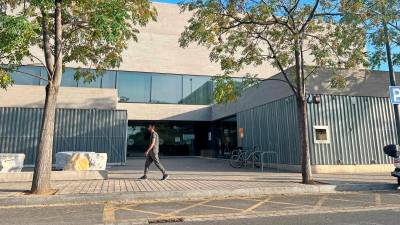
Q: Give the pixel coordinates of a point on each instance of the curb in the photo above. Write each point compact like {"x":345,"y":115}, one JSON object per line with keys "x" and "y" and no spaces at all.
{"x":187,"y":195}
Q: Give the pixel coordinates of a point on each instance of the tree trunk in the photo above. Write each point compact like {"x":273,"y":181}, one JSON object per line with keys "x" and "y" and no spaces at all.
{"x":41,"y":175}
{"x":302,"y":116}
{"x":303,"y":138}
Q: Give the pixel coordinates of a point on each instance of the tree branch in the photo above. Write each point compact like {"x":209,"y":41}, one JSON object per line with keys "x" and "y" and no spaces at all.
{"x":41,"y":62}
{"x":27,"y":73}
{"x":310,"y":16}
{"x":279,"y":65}
{"x":311,"y":73}
{"x":46,"y":45}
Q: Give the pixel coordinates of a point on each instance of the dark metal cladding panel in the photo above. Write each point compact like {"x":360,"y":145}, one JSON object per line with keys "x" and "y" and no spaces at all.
{"x":272,"y":127}
{"x":359,"y":128}
{"x":75,"y":130}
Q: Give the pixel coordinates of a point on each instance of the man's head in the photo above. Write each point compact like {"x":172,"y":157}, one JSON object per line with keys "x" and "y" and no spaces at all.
{"x":151,"y":127}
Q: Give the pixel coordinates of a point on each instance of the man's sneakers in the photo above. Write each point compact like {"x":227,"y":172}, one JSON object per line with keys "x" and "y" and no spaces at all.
{"x":165,"y":176}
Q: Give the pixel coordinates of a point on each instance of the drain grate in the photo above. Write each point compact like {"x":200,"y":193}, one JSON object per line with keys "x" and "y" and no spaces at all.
{"x":166,"y":220}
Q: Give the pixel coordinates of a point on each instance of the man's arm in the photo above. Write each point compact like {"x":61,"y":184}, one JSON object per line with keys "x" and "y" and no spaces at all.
{"x":153,"y":142}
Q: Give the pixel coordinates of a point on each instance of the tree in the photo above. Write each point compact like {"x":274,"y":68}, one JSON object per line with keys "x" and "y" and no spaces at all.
{"x":381,"y":20}
{"x":92,"y":33}
{"x":281,"y":32}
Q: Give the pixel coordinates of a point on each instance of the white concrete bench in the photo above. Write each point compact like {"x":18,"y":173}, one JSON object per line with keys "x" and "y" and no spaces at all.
{"x":67,"y":160}
{"x":11,"y":162}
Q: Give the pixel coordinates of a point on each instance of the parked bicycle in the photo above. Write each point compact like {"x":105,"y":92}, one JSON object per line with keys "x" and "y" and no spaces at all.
{"x":239,"y":157}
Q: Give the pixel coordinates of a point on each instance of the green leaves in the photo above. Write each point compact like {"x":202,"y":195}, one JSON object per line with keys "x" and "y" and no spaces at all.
{"x":228,"y":89}
{"x":95,"y":32}
{"x":5,"y":79}
{"x":16,"y":36}
{"x":374,"y":16}
{"x":242,"y":33}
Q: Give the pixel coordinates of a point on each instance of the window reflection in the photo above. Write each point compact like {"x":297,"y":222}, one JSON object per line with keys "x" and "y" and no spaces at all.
{"x":166,"y":89}
{"x":93,"y":84}
{"x":67,"y":79}
{"x":108,"y":79}
{"x":197,"y":90}
{"x":133,"y":87}
{"x":24,"y":78}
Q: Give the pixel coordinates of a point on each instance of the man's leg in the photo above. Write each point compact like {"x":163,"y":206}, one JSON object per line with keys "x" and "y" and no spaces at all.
{"x":147,"y":164}
{"x":156,"y":160}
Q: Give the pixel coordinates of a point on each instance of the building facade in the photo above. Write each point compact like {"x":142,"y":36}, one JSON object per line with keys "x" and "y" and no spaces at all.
{"x":161,"y":83}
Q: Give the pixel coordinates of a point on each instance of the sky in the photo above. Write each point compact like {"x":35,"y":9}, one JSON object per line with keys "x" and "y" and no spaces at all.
{"x":383,"y":67}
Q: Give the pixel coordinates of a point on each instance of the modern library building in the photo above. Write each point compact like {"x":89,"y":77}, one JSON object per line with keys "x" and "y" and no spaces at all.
{"x":160,"y":82}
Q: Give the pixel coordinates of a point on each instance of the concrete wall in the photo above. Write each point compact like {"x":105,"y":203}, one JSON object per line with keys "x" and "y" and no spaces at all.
{"x":157,"y":49}
{"x":69,"y":97}
{"x":266,"y":91}
{"x":359,"y":83}
{"x":143,"y":111}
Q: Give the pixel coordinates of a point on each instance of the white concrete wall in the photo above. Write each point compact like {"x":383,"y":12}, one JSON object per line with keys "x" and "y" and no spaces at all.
{"x":143,"y":111}
{"x":69,"y":97}
{"x":359,"y":83}
{"x":157,"y":49}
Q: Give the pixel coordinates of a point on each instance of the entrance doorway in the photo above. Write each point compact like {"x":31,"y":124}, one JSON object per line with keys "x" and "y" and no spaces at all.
{"x":177,"y":138}
{"x":225,"y":133}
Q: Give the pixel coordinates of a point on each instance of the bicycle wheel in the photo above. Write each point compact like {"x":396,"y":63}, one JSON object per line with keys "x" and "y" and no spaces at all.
{"x":256,"y":159}
{"x":236,"y":159}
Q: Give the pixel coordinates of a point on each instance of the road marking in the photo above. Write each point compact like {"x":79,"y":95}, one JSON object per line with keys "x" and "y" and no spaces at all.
{"x":258,"y":204}
{"x":108,"y":214}
{"x":378,"y":199}
{"x":320,"y":202}
{"x":222,"y":207}
{"x":142,"y":211}
{"x":186,"y":208}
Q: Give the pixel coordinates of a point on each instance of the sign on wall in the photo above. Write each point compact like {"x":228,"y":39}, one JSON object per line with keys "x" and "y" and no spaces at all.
{"x":394,"y":92}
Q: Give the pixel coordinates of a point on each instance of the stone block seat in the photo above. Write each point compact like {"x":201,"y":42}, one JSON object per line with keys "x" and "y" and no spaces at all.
{"x":78,"y":160}
{"x":11,"y":162}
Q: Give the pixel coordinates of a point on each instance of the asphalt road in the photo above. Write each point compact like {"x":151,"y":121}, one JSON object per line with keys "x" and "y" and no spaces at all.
{"x":383,"y":217}
{"x":365,"y":208}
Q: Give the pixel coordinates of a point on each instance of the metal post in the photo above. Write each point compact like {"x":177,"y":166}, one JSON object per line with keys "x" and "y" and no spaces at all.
{"x":392,"y":78}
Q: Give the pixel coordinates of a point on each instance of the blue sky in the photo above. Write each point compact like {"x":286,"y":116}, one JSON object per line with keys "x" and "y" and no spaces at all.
{"x":168,"y":1}
{"x":383,"y":66}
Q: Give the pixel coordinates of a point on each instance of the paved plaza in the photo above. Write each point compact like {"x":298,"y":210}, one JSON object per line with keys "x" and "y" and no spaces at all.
{"x":190,"y":174}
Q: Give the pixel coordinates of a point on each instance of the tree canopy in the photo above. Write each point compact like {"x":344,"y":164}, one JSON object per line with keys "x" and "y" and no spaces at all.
{"x":95,"y":33}
{"x":240,"y":33}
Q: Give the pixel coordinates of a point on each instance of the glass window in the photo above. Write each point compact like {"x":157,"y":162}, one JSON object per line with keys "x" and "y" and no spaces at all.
{"x":133,"y":87}
{"x":44,"y":75}
{"x":197,"y":90}
{"x":166,"y":89}
{"x":321,"y":134}
{"x":108,"y":79}
{"x":94,"y":84}
{"x":23,"y":77}
{"x":67,"y":79}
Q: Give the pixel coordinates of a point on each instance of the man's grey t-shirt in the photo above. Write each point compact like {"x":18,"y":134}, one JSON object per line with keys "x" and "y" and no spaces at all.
{"x":154,"y":135}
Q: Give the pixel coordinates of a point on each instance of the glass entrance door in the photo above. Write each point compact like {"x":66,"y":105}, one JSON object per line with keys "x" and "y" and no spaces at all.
{"x":177,"y":138}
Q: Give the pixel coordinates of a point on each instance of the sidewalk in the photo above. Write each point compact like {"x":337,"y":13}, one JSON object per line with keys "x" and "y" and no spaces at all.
{"x":191,"y":178}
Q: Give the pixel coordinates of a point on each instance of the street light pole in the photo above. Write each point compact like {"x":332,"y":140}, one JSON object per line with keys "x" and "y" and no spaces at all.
{"x":392,"y":78}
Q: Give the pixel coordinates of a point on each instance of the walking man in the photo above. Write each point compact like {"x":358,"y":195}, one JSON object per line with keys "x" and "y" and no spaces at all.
{"x":152,"y":154}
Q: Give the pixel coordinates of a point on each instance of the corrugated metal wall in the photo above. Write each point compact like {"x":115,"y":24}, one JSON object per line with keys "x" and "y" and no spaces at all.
{"x":359,"y":128}
{"x":75,"y":130}
{"x":272,"y":127}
